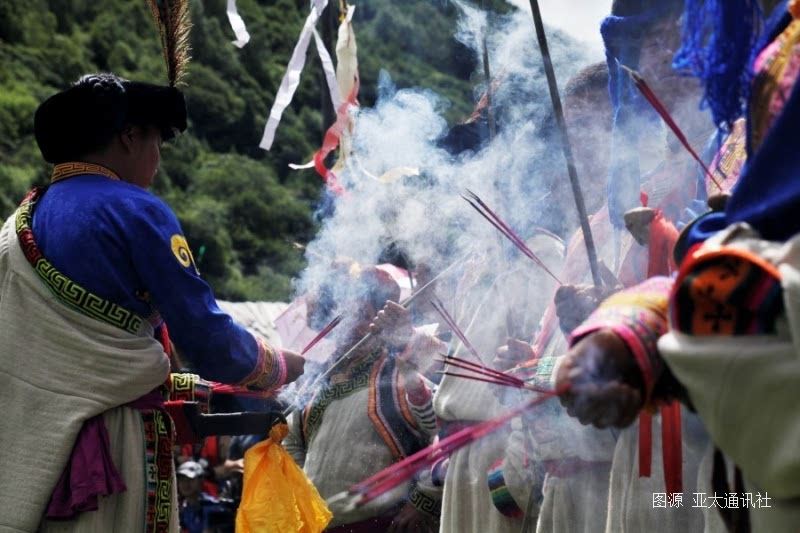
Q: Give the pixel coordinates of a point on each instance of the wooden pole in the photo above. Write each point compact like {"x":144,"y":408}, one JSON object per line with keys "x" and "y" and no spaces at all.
{"x":558,"y":111}
{"x":487,"y":74}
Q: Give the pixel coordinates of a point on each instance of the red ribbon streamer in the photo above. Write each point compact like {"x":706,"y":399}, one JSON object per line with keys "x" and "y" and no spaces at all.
{"x":331,"y":141}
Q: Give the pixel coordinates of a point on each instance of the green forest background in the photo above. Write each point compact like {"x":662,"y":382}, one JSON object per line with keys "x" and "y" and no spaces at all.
{"x":241,"y":207}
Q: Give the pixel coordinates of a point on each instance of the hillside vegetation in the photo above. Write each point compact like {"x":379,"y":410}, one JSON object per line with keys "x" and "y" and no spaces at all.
{"x":241,"y":207}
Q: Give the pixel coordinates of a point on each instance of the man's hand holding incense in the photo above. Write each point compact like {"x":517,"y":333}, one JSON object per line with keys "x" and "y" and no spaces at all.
{"x":393,"y":324}
{"x":574,"y":304}
{"x":512,"y":354}
{"x":295,"y":365}
{"x":604,"y":384}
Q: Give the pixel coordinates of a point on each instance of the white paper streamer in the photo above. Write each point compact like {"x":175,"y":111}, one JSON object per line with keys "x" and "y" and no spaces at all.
{"x":330,"y":72}
{"x":295,"y":166}
{"x":292,"y":77}
{"x":343,"y":78}
{"x":346,"y":72}
{"x":347,"y":63}
{"x":237,"y":23}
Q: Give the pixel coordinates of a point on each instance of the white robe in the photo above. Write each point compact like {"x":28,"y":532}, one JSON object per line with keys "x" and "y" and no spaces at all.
{"x":631,"y":506}
{"x":483,"y":311}
{"x":58,"y":368}
{"x":344,"y":450}
{"x":466,"y":501}
{"x":576,"y":502}
{"x":118,"y":512}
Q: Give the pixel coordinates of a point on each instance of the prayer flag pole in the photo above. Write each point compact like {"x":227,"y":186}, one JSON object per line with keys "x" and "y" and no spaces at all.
{"x":558,"y":112}
{"x":487,"y":74}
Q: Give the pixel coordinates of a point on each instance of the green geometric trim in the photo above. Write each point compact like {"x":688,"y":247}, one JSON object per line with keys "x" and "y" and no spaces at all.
{"x":331,"y":393}
{"x":67,"y":291}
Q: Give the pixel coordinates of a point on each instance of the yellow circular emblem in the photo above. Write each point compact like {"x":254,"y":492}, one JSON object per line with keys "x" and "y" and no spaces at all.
{"x":181,"y":250}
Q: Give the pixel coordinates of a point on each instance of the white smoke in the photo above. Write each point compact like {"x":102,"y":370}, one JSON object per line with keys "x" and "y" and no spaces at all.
{"x":424,"y":214}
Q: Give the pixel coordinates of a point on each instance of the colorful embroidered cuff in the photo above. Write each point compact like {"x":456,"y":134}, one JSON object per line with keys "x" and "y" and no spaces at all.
{"x":424,"y":502}
{"x":728,"y":291}
{"x":639,"y":317}
{"x":188,"y":388}
{"x":501,"y":496}
{"x":423,"y":414}
{"x":282,"y":369}
{"x":270,"y":370}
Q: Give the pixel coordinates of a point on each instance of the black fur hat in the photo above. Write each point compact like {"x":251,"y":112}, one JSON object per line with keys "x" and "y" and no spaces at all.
{"x":85,"y":117}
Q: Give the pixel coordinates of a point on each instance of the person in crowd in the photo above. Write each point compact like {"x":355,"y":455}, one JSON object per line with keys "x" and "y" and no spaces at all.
{"x":372,"y":410}
{"x":729,"y":347}
{"x":200,"y":512}
{"x":94,"y":269}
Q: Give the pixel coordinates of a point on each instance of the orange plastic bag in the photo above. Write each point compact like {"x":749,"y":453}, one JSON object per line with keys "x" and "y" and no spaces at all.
{"x":277,"y":496}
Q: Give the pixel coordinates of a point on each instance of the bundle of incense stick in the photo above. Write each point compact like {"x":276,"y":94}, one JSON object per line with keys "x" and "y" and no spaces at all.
{"x":451,"y":323}
{"x":478,"y":372}
{"x":487,"y":375}
{"x":400,"y":472}
{"x":492,"y":217}
{"x":661,"y":109}
{"x":322,"y":334}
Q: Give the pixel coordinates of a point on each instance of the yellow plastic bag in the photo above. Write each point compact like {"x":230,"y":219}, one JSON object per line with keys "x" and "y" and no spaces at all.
{"x":277,"y":496}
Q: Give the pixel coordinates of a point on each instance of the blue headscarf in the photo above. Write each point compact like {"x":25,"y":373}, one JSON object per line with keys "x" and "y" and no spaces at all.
{"x":718,"y":40}
{"x":623,"y":36}
{"x":767,"y":195}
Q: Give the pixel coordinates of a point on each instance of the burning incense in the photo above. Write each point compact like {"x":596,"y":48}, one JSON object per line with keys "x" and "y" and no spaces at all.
{"x":469,"y":365}
{"x":354,"y":349}
{"x":480,"y":206}
{"x":482,"y":370}
{"x":485,"y":374}
{"x":451,"y":323}
{"x":322,"y":334}
{"x":398,"y":473}
{"x":478,"y":371}
{"x":524,"y":386}
{"x":661,"y":109}
{"x":481,"y":378}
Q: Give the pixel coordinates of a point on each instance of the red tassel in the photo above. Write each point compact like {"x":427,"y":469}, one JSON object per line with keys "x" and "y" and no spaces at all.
{"x":164,"y":339}
{"x":672,"y":447}
{"x":645,"y":443}
{"x":663,"y":237}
